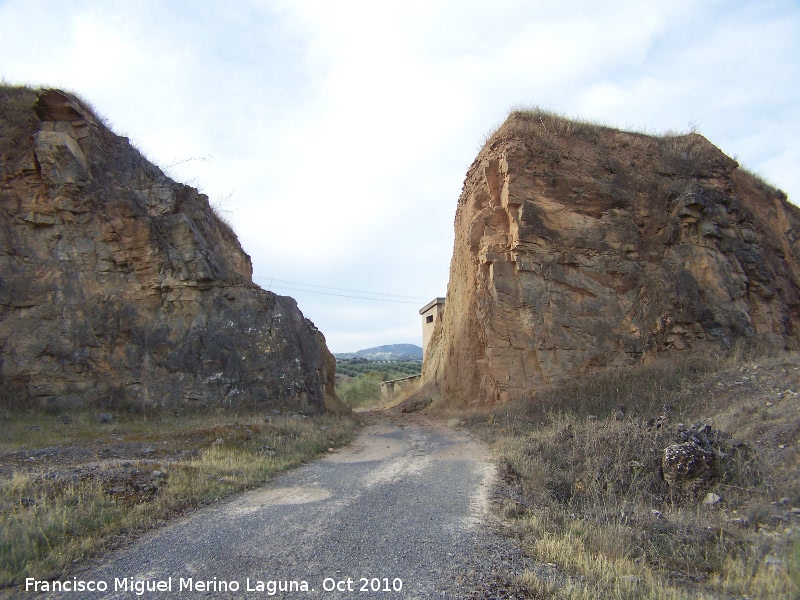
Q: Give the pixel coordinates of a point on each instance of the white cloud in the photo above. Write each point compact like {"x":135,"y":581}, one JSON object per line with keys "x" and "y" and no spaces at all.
{"x":340,"y":132}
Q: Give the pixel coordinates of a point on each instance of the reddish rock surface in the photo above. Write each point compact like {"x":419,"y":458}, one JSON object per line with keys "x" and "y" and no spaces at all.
{"x":579,"y":247}
{"x":119,"y":286}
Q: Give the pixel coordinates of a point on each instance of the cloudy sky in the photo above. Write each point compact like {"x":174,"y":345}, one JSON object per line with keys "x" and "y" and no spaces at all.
{"x":335,"y":136}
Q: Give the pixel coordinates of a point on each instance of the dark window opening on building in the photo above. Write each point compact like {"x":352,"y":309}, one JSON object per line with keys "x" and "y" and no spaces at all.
{"x":429,"y":319}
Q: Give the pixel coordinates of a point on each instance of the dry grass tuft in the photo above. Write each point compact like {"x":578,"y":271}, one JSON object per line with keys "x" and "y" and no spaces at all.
{"x":17,"y":120}
{"x":75,"y":490}
{"x":546,"y":127}
{"x":365,"y":392}
{"x":582,"y":482}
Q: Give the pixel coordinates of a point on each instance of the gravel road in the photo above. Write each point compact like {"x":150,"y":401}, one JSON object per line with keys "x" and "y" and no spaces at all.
{"x":400,"y":513}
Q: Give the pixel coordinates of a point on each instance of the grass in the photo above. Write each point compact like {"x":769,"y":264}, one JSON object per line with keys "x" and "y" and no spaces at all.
{"x":364,"y":389}
{"x":17,"y":119}
{"x":682,"y":154}
{"x":544,"y":126}
{"x":549,"y":127}
{"x":583,"y":490}
{"x":763,"y":184}
{"x":58,"y":515}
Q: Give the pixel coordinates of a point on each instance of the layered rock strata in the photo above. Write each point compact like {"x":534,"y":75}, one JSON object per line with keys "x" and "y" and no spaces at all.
{"x":579,"y":247}
{"x":121,"y":287}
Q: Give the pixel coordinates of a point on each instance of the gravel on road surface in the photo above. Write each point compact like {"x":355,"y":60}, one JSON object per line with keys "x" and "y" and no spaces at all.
{"x":403,"y":512}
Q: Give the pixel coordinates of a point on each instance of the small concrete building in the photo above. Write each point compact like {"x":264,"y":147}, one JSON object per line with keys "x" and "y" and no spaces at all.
{"x":431,"y":314}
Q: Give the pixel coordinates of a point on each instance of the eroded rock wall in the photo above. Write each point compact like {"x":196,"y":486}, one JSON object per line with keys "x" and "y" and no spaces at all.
{"x":578,"y":247}
{"x":119,"y":286}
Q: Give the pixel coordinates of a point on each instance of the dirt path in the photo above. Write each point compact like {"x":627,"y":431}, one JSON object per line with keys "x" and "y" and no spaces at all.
{"x":400,"y":513}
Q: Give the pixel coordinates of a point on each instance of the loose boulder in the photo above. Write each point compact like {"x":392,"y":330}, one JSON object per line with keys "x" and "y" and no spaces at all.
{"x":687,"y":467}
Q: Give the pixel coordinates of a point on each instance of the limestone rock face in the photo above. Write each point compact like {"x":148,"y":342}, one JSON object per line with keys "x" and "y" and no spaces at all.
{"x":120,"y":287}
{"x":578,"y":247}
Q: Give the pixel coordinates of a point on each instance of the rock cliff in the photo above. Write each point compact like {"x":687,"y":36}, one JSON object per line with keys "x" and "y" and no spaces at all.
{"x":121,"y":287}
{"x":579,"y":247}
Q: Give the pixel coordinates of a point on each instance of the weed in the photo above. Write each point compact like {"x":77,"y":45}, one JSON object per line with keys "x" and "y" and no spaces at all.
{"x":364,"y":389}
{"x":794,"y":565}
{"x":71,"y":508}
{"x":581,"y":467}
{"x":546,"y":127}
{"x":17,"y":119}
{"x":361,"y":391}
{"x":764,"y":185}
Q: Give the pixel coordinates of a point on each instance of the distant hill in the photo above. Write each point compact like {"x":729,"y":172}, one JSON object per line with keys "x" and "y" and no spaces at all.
{"x":389,"y":352}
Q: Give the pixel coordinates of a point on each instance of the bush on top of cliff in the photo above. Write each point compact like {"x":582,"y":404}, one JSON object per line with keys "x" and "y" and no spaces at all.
{"x":17,"y":99}
{"x":17,"y":116}
{"x":690,"y":154}
{"x":549,"y":126}
{"x":18,"y":106}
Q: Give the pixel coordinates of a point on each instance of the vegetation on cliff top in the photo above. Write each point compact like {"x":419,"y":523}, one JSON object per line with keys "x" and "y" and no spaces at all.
{"x":550,"y":128}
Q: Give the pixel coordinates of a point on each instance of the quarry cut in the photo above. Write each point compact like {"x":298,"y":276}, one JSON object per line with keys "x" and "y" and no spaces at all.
{"x":120,"y":287}
{"x":580,"y":247}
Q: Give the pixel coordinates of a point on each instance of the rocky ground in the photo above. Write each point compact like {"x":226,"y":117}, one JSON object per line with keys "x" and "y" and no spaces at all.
{"x":129,"y":463}
{"x":408,"y":500}
{"x":419,"y":499}
{"x":676,"y":480}
{"x":77,"y":485}
{"x":128,"y":469}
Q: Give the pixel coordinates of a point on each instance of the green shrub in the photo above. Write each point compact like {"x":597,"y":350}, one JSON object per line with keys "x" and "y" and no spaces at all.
{"x":363,"y":390}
